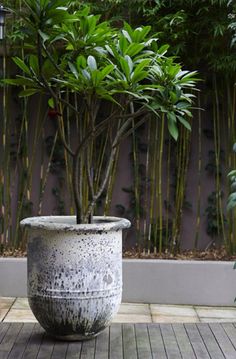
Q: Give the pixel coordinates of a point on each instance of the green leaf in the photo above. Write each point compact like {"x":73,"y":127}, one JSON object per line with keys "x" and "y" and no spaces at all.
{"x":44,"y":36}
{"x":163,"y":49}
{"x":73,"y":70}
{"x":173,"y":129}
{"x":141,"y":32}
{"x":109,"y":50}
{"x":51,"y":103}
{"x":81,"y":62}
{"x":130,"y":63}
{"x":138,"y":73}
{"x":231,"y":201}
{"x":28,"y":92}
{"x":92,"y":64}
{"x":232,"y":173}
{"x":139,"y":76}
{"x":127,"y":36}
{"x":134,"y":49}
{"x":182,"y":105}
{"x":106,"y":71}
{"x":86,"y":74}
{"x":125,"y":67}
{"x":184,"y":122}
{"x":48,"y":69}
{"x":123,"y":44}
{"x":19,"y":81}
{"x":107,"y":97}
{"x":34,"y":64}
{"x":20,"y":63}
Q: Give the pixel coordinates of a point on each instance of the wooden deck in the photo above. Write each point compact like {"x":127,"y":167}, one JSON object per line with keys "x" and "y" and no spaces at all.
{"x":124,"y":341}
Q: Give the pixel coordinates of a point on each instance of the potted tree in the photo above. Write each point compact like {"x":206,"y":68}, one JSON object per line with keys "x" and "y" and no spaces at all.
{"x":111,"y":80}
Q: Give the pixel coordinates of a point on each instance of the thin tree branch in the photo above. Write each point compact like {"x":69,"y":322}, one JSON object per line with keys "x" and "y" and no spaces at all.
{"x":109,"y":166}
{"x":75,"y":183}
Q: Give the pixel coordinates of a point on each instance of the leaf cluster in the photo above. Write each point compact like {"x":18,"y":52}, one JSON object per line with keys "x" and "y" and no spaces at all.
{"x":200,"y":32}
{"x":76,"y":51}
{"x":80,"y":62}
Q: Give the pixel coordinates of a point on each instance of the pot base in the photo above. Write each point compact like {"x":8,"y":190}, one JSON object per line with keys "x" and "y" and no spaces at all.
{"x":75,"y":337}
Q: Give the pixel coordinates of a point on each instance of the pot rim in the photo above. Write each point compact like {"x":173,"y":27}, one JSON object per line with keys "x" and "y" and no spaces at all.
{"x":68,"y":223}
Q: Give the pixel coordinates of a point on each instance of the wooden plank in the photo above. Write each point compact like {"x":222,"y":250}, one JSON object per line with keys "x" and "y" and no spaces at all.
{"x":88,"y":349}
{"x":183,"y":341}
{"x":46,"y":347}
{"x":129,"y":342}
{"x":210,"y":342}
{"x":156,"y":341}
{"x":196,"y":341}
{"x":4,"y":328}
{"x":102,"y":345}
{"x":170,"y":342}
{"x":34,"y":343}
{"x":230,"y":330}
{"x":142,"y":340}
{"x":223,"y":341}
{"x":21,"y":342}
{"x":59,"y":350}
{"x":9,"y":339}
{"x":116,"y":344}
{"x":73,"y":351}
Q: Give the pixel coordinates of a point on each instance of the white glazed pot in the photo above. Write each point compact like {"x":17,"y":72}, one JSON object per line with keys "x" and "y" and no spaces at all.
{"x":74,"y":273}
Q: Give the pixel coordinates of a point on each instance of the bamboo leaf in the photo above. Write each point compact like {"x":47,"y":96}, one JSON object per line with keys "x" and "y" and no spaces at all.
{"x":19,"y":81}
{"x":20,"y":63}
{"x":28,"y":92}
{"x":34,"y":64}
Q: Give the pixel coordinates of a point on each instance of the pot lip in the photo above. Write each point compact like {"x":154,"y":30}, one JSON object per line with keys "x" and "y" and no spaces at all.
{"x":68,"y":224}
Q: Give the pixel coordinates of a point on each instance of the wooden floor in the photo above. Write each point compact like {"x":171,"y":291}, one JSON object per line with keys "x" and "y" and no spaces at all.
{"x":127,"y":341}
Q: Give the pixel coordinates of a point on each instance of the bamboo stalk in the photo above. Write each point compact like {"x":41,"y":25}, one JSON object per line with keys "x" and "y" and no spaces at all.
{"x":67,"y":161}
{"x":168,"y":193}
{"x":136,"y":186}
{"x":146,"y":199}
{"x":45,"y":174}
{"x":216,"y":124}
{"x":160,"y":184}
{"x":177,"y":194}
{"x":153,"y":164}
{"x":198,"y":221}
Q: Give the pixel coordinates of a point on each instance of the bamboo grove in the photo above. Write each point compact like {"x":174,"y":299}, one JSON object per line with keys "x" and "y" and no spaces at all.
{"x":158,"y":198}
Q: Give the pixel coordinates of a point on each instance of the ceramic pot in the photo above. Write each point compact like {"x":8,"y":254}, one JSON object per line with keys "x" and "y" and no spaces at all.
{"x":74,"y":273}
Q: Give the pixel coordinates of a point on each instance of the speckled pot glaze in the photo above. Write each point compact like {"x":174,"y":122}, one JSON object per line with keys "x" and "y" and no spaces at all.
{"x":74,"y":274}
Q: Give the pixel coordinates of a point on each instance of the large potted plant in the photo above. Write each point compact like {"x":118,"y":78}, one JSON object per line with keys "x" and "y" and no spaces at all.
{"x":111,"y":81}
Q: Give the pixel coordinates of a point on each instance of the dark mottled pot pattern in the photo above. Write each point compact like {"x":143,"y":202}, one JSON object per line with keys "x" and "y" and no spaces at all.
{"x":74,"y":274}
